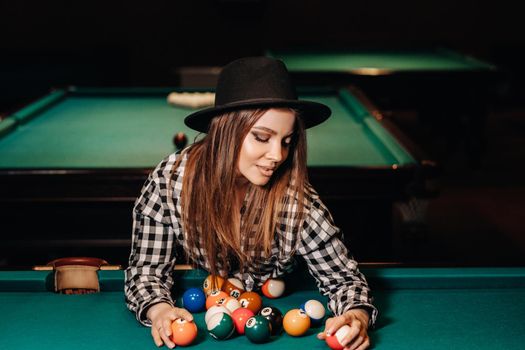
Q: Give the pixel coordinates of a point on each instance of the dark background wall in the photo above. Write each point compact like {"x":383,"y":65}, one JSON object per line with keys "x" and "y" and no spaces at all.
{"x":477,"y":217}
{"x":52,"y":43}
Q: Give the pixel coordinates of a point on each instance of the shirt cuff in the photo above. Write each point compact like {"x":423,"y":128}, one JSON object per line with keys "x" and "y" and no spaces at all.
{"x":371,"y":309}
{"x":143,"y":310}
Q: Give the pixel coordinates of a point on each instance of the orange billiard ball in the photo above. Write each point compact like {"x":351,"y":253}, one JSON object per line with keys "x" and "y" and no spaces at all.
{"x":251,"y":300}
{"x":183,"y":332}
{"x":233,"y":287}
{"x":273,"y":288}
{"x":216,"y":297}
{"x":208,"y":286}
{"x":296,"y":322}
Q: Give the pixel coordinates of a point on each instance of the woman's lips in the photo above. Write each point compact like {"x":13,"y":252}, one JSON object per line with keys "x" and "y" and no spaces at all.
{"x":266,"y":171}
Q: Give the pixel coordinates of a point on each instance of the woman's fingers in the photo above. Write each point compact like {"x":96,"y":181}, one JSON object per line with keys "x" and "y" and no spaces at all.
{"x":184,"y":314}
{"x":156,"y":336}
{"x":165,"y":333}
{"x":161,"y":328}
{"x":355,"y":339}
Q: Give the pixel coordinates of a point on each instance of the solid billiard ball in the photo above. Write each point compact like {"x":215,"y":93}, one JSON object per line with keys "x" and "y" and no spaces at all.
{"x":233,"y":287}
{"x":258,"y":329}
{"x":275,"y":317}
{"x":220,"y":326}
{"x":194,"y":300}
{"x":180,"y":140}
{"x":210,"y":284}
{"x":296,"y":322}
{"x":183,"y":332}
{"x":240,"y":316}
{"x":315,"y":310}
{"x":334,"y":340}
{"x":215,"y":310}
{"x":273,"y":288}
{"x":216,"y":297}
{"x":251,"y":300}
{"x":230,"y":303}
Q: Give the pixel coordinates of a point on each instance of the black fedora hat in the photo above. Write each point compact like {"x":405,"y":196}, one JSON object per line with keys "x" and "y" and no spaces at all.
{"x":256,"y":82}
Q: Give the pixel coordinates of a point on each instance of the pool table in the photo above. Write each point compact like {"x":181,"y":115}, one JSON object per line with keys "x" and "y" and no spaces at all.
{"x":73,"y":162}
{"x":451,"y":92}
{"x":420,"y":308}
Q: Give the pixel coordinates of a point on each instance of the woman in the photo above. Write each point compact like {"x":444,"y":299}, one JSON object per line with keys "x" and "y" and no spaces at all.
{"x":239,"y":204}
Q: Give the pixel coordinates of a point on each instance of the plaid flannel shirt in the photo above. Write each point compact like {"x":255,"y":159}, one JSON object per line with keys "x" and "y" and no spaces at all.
{"x":157,"y":230}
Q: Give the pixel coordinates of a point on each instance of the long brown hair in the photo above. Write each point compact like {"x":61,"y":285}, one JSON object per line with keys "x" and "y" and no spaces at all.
{"x":211,"y":218}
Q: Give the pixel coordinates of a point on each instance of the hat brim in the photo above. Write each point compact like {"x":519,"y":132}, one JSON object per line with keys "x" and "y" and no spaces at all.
{"x":312,"y":113}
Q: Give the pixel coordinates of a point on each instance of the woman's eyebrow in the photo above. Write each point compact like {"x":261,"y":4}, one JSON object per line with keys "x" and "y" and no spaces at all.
{"x":273,"y":132}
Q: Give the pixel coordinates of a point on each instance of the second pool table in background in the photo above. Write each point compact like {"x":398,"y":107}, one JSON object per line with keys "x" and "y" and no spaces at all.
{"x":72,"y":164}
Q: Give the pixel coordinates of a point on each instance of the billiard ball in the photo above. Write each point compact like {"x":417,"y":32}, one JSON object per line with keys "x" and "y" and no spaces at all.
{"x":240,"y":316}
{"x":251,"y":300}
{"x":230,"y":303}
{"x":258,"y":329}
{"x":334,"y":340}
{"x":215,"y":310}
{"x":273,"y":288}
{"x":208,"y":285}
{"x":194,"y":300}
{"x":183,"y":332}
{"x":296,"y":322}
{"x":180,"y":140}
{"x":220,"y":326}
{"x":315,"y":310}
{"x":275,"y":317}
{"x":216,"y":297}
{"x":233,"y":287}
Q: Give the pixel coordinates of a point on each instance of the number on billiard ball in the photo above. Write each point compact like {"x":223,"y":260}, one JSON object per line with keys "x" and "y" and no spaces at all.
{"x":275,"y":317}
{"x":258,"y":329}
{"x":180,"y":140}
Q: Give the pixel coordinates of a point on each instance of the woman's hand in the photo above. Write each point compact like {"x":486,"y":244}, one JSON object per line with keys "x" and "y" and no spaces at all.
{"x":161,"y":316}
{"x":357,"y":338}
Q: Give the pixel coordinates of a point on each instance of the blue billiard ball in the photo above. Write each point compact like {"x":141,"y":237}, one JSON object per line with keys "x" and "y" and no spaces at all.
{"x":194,"y":300}
{"x":315,"y":310}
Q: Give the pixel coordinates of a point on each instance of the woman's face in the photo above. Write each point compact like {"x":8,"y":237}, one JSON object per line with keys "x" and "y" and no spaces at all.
{"x":266,"y":146}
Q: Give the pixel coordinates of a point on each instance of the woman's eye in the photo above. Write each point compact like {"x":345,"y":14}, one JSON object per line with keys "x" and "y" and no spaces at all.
{"x":260,"y":138}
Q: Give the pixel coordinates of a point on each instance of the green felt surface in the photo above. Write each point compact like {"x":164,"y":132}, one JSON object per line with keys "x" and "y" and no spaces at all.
{"x":420,"y":309}
{"x":395,"y":61}
{"x":135,"y":131}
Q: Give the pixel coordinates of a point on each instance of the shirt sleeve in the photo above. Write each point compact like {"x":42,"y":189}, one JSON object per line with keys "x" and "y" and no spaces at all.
{"x":149,"y":277}
{"x":330,"y":263}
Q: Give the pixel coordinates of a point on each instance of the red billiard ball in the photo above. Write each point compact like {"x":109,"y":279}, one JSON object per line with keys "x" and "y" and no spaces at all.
{"x":251,"y":300}
{"x":296,"y":322}
{"x":273,"y":288}
{"x":183,"y":332}
{"x":334,"y":340}
{"x":180,"y":140}
{"x":240,"y":316}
